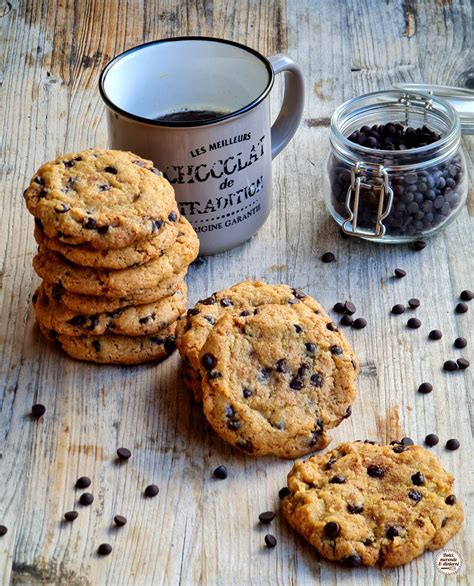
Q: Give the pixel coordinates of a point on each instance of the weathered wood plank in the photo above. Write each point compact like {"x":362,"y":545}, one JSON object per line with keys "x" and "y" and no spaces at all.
{"x":199,"y":530}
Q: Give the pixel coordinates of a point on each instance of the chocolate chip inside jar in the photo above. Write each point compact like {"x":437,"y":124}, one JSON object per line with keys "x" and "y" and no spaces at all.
{"x":424,"y":195}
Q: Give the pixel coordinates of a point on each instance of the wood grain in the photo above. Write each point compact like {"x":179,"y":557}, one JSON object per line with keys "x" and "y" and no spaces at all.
{"x":198,"y":530}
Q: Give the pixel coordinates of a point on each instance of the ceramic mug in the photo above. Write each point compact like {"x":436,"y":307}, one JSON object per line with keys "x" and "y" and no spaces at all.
{"x":220,"y":167}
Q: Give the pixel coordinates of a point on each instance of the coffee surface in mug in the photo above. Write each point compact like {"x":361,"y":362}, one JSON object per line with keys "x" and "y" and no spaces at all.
{"x":191,"y":115}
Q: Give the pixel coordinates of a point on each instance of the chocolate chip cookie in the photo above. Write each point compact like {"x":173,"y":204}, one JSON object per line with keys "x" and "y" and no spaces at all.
{"x":55,"y":269}
{"x":106,"y":198}
{"x":141,"y":320}
{"x":276,"y":380}
{"x":242,"y":299}
{"x":136,"y":254}
{"x":366,"y":504}
{"x":90,"y":304}
{"x":114,"y":349}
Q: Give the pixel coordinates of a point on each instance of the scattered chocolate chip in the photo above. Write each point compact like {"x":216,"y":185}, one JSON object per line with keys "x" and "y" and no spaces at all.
{"x":338,"y":479}
{"x":463,"y":363}
{"x":414,"y":303}
{"x":270,"y":540}
{"x":336,"y":350}
{"x":124,"y":453}
{"x":266,"y":517}
{"x":466,"y":295}
{"x":71,"y":515}
{"x":83,"y":482}
{"x":431,"y":440}
{"x":332,"y":529}
{"x":414,"y":323}
{"x":392,"y":532}
{"x":435,"y":335}
{"x":111,"y":170}
{"x":450,"y":500}
{"x":460,"y":343}
{"x":415,"y":495}
{"x":120,"y":520}
{"x":355,"y":509}
{"x":400,"y":273}
{"x":452,"y":444}
{"x":283,"y":492}
{"x":86,"y":499}
{"x":346,"y":320}
{"x":450,"y":366}
{"x":208,"y":361}
{"x":353,"y":561}
{"x":359,"y":323}
{"x":349,"y":308}
{"x":375,"y":471}
{"x":172,"y":217}
{"x":104,"y":549}
{"x":425,"y":388}
{"x":328,"y":257}
{"x":398,"y":309}
{"x":151,"y":490}
{"x":220,"y":472}
{"x":462,"y":307}
{"x":419,"y":245}
{"x":38,"y":410}
{"x":418,"y":479}
{"x":407,"y":441}
{"x":339,"y":307}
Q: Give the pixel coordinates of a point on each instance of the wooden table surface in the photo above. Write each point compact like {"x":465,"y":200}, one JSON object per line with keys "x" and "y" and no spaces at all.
{"x":198,"y":530}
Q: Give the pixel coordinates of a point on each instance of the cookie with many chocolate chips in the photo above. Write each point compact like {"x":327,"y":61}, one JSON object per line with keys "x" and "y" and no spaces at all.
{"x":240,"y":299}
{"x":55,"y":269}
{"x":140,"y":320}
{"x":366,"y":504}
{"x":112,"y":349}
{"x":276,"y":380}
{"x":106,"y":198}
{"x":135,"y":254}
{"x":92,"y":304}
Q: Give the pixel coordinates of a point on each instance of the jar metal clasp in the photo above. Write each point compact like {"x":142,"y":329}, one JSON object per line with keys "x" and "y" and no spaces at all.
{"x":372,"y":178}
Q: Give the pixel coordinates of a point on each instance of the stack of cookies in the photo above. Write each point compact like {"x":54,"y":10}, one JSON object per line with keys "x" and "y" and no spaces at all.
{"x":113,"y":253}
{"x":272,"y":370}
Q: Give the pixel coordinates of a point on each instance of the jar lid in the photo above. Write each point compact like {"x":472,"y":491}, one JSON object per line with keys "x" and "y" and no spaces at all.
{"x":461,"y":99}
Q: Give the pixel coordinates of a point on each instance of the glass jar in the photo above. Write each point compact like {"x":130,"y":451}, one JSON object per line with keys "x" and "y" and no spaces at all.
{"x":395,"y":195}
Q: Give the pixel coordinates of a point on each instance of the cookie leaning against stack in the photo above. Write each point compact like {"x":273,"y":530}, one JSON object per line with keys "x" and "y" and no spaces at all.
{"x":273,"y":371}
{"x":113,"y":253}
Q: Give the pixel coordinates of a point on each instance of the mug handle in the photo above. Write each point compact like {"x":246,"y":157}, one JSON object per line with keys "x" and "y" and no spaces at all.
{"x":291,"y":110}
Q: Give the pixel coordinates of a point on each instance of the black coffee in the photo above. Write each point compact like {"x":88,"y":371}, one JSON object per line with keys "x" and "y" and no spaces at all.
{"x":190,"y":116}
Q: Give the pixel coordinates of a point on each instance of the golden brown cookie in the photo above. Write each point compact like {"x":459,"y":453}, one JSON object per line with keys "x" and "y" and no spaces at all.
{"x":366,"y":504}
{"x":274,"y":381}
{"x":113,"y":349}
{"x":141,"y":320}
{"x":106,"y":198}
{"x":192,"y":331}
{"x":55,"y":269}
{"x":90,"y":304}
{"x":137,"y":253}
